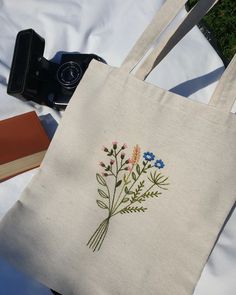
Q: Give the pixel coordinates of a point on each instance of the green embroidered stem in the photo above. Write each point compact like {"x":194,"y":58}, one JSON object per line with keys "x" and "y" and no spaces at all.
{"x":116,"y":177}
{"x":109,"y":198}
{"x":117,"y":206}
{"x":103,"y":236}
{"x":123,"y":188}
{"x":131,"y":203}
{"x":136,"y":179}
{"x":118,"y":169}
{"x":112,"y":173}
{"x":92,"y":240}
{"x":96,"y":240}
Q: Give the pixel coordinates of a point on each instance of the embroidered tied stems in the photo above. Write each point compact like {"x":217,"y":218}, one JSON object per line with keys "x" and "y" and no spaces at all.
{"x":98,"y":237}
{"x":128,"y":182}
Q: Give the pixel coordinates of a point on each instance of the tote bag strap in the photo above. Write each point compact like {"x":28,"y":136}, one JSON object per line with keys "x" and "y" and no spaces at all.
{"x":172,"y":38}
{"x":224,"y":95}
{"x":161,"y":20}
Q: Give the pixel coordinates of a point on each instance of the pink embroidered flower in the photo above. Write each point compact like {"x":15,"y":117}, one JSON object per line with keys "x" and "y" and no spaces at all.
{"x":122,"y":155}
{"x":124,"y":146}
{"x":104,"y":174}
{"x":130,"y":168}
{"x":102,"y":164}
{"x":114,"y":143}
{"x":112,"y":162}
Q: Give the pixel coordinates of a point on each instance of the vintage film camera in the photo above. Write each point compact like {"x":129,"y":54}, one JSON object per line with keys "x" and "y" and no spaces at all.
{"x":33,"y":77}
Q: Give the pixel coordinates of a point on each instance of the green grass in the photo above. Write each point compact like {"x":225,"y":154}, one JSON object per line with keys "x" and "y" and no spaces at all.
{"x":221,"y":22}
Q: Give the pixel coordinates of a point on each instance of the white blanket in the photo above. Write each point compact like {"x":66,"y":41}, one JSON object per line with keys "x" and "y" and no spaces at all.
{"x":108,"y":28}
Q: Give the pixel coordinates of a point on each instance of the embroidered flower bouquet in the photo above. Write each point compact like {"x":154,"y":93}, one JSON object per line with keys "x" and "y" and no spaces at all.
{"x":134,"y":181}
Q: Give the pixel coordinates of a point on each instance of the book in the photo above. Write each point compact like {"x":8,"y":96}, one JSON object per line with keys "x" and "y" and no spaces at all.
{"x":23,"y":144}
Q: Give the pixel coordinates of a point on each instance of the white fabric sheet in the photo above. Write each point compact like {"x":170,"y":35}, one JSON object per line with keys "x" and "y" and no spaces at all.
{"x":108,"y":28}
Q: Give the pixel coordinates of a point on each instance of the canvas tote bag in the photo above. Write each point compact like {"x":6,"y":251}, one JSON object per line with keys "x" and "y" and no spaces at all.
{"x":135,"y":186}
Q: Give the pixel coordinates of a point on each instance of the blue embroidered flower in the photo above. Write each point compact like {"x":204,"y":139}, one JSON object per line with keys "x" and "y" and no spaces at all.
{"x":159,"y":164}
{"x":148,"y":156}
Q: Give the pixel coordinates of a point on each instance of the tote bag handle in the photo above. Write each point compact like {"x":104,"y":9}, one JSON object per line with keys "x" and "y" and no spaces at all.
{"x":224,"y":95}
{"x":161,"y":20}
{"x":172,"y":38}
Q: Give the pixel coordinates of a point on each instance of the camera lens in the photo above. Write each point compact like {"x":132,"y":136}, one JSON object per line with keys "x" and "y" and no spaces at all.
{"x":69,"y":74}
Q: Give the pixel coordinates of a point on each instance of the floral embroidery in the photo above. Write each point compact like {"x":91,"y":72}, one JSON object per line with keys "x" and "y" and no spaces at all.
{"x":149,"y":156}
{"x":159,"y":164}
{"x":133,"y":183}
{"x":136,"y":154}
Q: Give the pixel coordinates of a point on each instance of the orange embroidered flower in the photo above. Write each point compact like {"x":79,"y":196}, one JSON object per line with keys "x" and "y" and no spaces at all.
{"x":136,"y":154}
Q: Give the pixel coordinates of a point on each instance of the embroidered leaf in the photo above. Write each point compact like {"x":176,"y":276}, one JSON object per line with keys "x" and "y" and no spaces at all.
{"x":133,"y":210}
{"x":134,"y":176}
{"x":126,"y":179}
{"x":100,"y":179}
{"x":159,"y":180}
{"x":118,"y":183}
{"x":102,"y":194}
{"x":154,"y":177}
{"x":138,"y":169}
{"x":125,"y":200}
{"x":108,"y":168}
{"x":101,"y":204}
{"x":128,"y":192}
{"x":138,"y":190}
{"x":144,"y":163}
{"x":152,"y":194}
{"x":162,"y":187}
{"x":163,"y":184}
{"x":148,"y":195}
{"x":141,"y":199}
{"x":110,"y":153}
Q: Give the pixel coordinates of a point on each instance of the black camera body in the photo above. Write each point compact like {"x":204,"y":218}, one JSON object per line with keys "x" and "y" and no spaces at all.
{"x":33,"y":77}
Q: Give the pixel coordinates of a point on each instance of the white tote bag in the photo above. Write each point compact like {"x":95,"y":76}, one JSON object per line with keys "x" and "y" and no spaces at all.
{"x":135,"y":186}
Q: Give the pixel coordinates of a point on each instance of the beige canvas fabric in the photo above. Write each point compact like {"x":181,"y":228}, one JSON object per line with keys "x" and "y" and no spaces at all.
{"x":132,"y":192}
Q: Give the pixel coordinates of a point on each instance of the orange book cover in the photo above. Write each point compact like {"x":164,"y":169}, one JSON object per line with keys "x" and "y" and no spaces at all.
{"x":23,"y":143}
